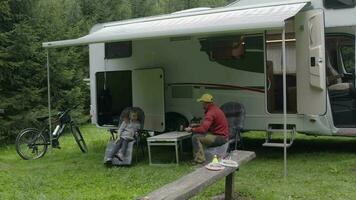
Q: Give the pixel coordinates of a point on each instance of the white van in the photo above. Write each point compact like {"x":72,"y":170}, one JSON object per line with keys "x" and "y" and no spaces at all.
{"x":164,"y":63}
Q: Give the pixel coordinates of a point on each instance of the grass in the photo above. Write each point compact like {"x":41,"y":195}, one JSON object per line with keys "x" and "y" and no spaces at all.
{"x":318,"y":168}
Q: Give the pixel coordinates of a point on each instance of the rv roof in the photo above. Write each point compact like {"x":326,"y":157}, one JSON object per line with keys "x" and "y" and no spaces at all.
{"x":192,"y":10}
{"x":263,"y":2}
{"x":333,"y":17}
{"x":211,"y":21}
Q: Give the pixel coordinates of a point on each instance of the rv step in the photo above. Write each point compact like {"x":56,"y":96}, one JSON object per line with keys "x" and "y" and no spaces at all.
{"x":280,"y":130}
{"x":270,"y":131}
{"x":275,"y":144}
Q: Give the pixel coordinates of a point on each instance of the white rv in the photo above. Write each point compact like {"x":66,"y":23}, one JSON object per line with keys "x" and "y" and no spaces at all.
{"x":237,"y":53}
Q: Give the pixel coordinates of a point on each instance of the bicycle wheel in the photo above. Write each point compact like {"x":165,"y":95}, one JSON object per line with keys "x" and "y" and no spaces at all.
{"x":79,"y":138}
{"x":31,"y":144}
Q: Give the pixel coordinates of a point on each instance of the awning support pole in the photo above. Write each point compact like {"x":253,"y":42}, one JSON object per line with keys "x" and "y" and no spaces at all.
{"x":355,"y":53}
{"x":284,"y":100}
{"x":49,"y":98}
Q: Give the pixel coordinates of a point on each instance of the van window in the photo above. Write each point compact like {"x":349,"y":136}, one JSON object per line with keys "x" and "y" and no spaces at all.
{"x":243,"y":52}
{"x":335,"y":4}
{"x":118,"y":50}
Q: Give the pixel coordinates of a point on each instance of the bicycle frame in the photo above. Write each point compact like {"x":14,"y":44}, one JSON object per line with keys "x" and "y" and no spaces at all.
{"x":56,"y":134}
{"x":58,"y":131}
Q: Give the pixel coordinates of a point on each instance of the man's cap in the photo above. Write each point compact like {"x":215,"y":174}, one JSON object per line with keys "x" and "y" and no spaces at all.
{"x":207,"y":98}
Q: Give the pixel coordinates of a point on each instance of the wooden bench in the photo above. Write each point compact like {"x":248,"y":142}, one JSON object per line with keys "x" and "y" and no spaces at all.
{"x":194,"y":182}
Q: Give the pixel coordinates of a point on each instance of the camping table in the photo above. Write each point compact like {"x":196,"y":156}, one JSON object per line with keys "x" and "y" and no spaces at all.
{"x":167,"y":139}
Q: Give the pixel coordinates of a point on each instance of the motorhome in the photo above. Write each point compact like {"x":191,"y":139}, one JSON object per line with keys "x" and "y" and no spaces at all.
{"x":293,"y":58}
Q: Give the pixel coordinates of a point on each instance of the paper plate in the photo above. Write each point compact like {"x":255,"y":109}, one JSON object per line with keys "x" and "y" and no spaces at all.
{"x":229,"y":163}
{"x":214,"y":166}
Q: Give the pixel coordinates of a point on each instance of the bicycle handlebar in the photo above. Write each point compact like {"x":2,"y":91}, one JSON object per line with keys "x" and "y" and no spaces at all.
{"x":59,"y":115}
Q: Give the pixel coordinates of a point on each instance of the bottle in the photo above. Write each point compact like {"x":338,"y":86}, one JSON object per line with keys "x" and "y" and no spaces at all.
{"x":215,"y":159}
{"x":181,"y":128}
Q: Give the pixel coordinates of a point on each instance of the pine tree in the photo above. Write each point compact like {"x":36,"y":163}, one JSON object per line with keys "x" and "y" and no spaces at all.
{"x":25,"y":24}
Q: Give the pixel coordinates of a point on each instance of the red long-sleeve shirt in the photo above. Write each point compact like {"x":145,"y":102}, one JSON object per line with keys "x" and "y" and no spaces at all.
{"x":214,"y":122}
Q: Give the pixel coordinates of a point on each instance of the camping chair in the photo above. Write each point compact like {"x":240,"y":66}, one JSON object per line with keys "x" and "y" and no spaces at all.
{"x":127,"y":159}
{"x":235,"y":115}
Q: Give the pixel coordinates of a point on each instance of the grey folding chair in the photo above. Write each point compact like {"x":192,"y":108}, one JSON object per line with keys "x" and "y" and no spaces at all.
{"x":127,"y":160}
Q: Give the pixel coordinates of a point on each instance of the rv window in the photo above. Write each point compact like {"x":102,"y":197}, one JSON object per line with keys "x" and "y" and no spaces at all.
{"x":335,"y":4}
{"x":348,"y":58}
{"x":118,"y":50}
{"x":243,"y":52}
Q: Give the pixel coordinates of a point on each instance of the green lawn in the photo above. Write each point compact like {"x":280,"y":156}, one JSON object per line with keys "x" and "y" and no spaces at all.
{"x":318,"y":168}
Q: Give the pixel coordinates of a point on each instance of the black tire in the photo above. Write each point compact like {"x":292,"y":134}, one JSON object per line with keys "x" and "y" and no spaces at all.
{"x":174,"y":121}
{"x":31,"y":144}
{"x":79,"y":138}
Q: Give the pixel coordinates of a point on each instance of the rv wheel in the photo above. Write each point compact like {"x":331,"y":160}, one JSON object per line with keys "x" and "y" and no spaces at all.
{"x":174,"y":121}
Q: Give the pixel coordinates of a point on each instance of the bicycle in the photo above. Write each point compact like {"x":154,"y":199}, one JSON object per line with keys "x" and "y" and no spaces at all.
{"x":32,"y":143}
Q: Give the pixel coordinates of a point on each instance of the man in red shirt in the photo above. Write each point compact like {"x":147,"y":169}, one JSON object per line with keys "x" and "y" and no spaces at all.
{"x":212,"y":131}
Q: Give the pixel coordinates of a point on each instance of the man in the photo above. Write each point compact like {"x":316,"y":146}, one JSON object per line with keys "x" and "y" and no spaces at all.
{"x":212,"y":131}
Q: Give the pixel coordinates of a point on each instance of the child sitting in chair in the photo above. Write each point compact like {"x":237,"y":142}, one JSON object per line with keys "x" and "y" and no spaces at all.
{"x":127,"y":130}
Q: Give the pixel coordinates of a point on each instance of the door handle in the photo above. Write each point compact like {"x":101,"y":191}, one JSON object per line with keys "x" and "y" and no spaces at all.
{"x":312,"y":62}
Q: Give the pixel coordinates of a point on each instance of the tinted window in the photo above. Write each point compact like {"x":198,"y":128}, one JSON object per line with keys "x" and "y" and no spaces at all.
{"x":118,"y":50}
{"x":339,"y":3}
{"x":243,"y":52}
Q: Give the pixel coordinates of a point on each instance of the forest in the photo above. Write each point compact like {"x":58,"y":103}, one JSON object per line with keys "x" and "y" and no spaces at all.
{"x":25,"y":24}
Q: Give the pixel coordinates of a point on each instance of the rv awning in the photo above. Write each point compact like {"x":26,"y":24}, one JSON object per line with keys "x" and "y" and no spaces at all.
{"x":220,"y":20}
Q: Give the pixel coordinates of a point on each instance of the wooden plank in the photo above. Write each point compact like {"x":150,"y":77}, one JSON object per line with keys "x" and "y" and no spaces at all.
{"x":194,"y":182}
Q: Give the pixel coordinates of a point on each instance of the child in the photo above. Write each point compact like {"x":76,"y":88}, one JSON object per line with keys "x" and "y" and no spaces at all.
{"x":127,"y":130}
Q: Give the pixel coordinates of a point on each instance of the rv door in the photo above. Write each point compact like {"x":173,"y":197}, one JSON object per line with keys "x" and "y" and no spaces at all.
{"x":148,"y":94}
{"x":310,"y":49}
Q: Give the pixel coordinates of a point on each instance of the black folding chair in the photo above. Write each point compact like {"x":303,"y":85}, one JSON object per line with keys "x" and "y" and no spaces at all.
{"x":235,"y":115}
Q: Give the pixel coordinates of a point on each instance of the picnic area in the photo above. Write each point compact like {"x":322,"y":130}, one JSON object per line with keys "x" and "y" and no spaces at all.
{"x":318,"y":168}
{"x":177,"y":99}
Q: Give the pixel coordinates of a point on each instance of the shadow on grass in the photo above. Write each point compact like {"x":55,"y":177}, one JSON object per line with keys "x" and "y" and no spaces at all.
{"x":302,"y":145}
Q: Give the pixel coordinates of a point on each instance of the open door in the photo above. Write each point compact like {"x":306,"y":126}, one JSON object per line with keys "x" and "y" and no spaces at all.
{"x":310,"y":49}
{"x":148,"y":94}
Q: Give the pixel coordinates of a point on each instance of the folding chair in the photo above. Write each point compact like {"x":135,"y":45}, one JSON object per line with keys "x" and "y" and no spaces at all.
{"x":127,"y":159}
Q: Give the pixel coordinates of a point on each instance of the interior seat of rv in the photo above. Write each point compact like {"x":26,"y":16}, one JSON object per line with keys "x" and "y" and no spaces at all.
{"x":336,"y":87}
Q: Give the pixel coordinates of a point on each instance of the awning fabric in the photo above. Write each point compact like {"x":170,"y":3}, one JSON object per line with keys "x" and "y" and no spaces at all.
{"x":219,"y":20}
